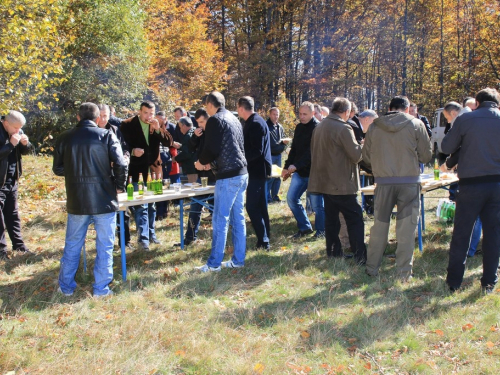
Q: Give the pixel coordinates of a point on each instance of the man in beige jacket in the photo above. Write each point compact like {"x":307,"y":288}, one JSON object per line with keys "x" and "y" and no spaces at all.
{"x":394,"y":146}
{"x":335,"y":155}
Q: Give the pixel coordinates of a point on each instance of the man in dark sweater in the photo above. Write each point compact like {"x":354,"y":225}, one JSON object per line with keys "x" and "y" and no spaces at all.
{"x":14,"y":143}
{"x":258,"y":156}
{"x":224,"y":151}
{"x":298,"y":165}
{"x":414,"y":113}
{"x":278,"y":145}
{"x":476,"y":134}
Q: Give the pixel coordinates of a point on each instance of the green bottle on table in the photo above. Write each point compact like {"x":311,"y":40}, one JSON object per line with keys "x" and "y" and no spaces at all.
{"x":141,"y":184}
{"x":159,"y":185}
{"x":130,"y":190}
{"x":149,"y":181}
{"x":436,"y":170}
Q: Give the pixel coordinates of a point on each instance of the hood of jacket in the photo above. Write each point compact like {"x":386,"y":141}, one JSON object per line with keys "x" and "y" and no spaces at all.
{"x":393,"y":122}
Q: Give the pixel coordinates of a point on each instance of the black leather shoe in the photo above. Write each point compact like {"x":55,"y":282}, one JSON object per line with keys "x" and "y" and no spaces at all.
{"x":143,"y":247}
{"x":302,"y":233}
{"x":155,"y":240}
{"x":186,"y":243}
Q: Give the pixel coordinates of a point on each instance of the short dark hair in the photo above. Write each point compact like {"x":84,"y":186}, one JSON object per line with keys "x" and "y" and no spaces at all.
{"x":216,"y":99}
{"x":452,"y":106}
{"x":186,"y":121}
{"x":399,"y":102}
{"x":354,"y":107}
{"x":199,"y":113}
{"x":487,"y":95}
{"x":88,"y":111}
{"x":246,"y":102}
{"x":160,"y":113}
{"x":148,"y":104}
{"x":341,"y":105}
{"x":182,"y":109}
{"x":413,"y":105}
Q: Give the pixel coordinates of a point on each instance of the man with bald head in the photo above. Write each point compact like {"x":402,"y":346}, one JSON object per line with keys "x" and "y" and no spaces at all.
{"x":14,"y":144}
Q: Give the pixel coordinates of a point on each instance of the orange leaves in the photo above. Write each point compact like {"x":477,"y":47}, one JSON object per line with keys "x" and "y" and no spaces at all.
{"x":490,"y":345}
{"x":467,"y":327}
{"x":297,"y":369}
{"x":305,"y":334}
{"x":438,"y":332}
{"x":258,"y":368}
{"x":180,"y":353}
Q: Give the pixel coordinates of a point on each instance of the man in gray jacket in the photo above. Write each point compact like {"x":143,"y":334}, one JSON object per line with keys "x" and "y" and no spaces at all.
{"x":394,"y":146}
{"x":335,"y":155}
{"x":476,"y":134}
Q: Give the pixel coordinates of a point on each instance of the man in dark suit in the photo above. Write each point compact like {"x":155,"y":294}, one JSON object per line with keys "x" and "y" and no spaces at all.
{"x":143,"y":134}
{"x":414,"y":113}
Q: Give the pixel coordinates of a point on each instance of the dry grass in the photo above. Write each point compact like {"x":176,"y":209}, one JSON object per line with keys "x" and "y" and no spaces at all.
{"x":288,"y":311}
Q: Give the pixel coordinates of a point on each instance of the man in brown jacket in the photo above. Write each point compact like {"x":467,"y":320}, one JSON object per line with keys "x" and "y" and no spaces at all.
{"x":335,"y":155}
{"x":394,"y":146}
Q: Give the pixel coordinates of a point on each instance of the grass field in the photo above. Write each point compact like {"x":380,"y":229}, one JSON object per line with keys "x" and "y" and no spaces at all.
{"x":288,"y":311}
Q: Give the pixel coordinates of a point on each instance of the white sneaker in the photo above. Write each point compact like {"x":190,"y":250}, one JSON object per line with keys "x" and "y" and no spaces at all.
{"x":59,"y":290}
{"x":206,"y":268}
{"x":230,"y":264}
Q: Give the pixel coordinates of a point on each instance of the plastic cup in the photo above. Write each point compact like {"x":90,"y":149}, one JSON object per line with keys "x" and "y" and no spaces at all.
{"x":204,"y":181}
{"x":177,"y":187}
{"x":166,"y":184}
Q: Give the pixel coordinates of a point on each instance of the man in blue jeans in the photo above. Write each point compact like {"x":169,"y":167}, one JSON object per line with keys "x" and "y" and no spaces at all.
{"x":298,"y":165}
{"x":224,"y":153}
{"x":476,"y":134}
{"x":92,"y":163}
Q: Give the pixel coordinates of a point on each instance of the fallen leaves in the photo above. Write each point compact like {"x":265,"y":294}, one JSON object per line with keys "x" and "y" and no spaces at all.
{"x":305,"y":334}
{"x":259,"y":368}
{"x":467,"y":327}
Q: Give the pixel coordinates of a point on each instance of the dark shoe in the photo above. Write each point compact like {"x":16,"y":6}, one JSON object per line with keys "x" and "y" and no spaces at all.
{"x":319,"y":234}
{"x":488,"y":289}
{"x":186,"y":243}
{"x":302,"y":233}
{"x":369,"y":274}
{"x":453,"y":289}
{"x":155,"y":240}
{"x":4,"y":256}
{"x":24,"y":251}
{"x":262,"y":246}
{"x":143,"y":247}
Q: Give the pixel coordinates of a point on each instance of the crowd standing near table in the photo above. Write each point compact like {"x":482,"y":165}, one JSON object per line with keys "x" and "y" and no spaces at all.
{"x":324,"y":160}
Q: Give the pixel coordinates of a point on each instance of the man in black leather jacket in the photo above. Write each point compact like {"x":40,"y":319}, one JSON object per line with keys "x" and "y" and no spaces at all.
{"x":13,"y":144}
{"x":224,"y":150}
{"x":92,"y":163}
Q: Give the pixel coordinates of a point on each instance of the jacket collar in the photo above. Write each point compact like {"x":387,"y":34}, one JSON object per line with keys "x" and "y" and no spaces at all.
{"x":488,"y":105}
{"x":86,"y":124}
{"x":334,"y":116}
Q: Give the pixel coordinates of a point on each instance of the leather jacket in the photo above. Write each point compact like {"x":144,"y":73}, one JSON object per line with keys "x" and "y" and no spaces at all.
{"x":92,"y":163}
{"x":5,"y":149}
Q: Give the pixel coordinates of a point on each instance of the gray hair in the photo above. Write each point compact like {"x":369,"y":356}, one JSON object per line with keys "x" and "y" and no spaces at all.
{"x":368,"y":113}
{"x":15,"y":117}
{"x":325,"y":110}
{"x":308,"y":105}
{"x":341,"y":105}
{"x":453,"y":106}
{"x":186,"y":121}
{"x":104,"y":107}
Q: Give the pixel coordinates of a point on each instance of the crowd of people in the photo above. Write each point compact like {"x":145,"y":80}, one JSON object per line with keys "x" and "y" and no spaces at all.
{"x":328,"y":149}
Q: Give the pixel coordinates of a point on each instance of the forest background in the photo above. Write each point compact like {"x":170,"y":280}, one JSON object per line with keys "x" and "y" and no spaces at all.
{"x":56,"y":54}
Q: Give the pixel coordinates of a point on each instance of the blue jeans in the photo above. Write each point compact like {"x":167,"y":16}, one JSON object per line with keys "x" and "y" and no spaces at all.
{"x":482,"y":199}
{"x":298,"y":186}
{"x":229,"y":200}
{"x":144,"y":216}
{"x":273,"y":184}
{"x":476,"y":236}
{"x":76,"y":231}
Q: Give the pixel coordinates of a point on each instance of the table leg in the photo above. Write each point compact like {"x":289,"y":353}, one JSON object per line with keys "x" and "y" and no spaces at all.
{"x":362,"y":195}
{"x":423,"y":211}
{"x":181,"y":205}
{"x":420,"y":244}
{"x":122,"y":241}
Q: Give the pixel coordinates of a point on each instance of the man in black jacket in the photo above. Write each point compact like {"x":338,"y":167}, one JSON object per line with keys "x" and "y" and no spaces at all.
{"x":94,"y":169}
{"x":298,"y":165}
{"x":224,"y":151}
{"x":476,"y":134}
{"x":258,"y":155}
{"x":143,"y":134}
{"x":278,"y":145}
{"x":14,"y":143}
{"x":414,"y":113}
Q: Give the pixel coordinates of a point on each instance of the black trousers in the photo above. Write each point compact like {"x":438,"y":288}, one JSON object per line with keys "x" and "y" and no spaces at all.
{"x":256,"y":206}
{"x":353,"y":215}
{"x":475,"y":200}
{"x":9,"y":218}
{"x":126,"y":224}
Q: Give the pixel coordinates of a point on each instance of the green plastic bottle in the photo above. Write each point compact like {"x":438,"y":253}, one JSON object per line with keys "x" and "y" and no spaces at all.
{"x":436,"y":170}
{"x":130,"y":190}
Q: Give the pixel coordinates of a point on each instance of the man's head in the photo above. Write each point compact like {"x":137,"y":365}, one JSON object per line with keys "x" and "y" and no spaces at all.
{"x":179,"y":112}
{"x":413,"y":109}
{"x":104,"y":114}
{"x":325,"y":111}
{"x":88,"y":111}
{"x":487,"y":95}
{"x":342,"y":108}
{"x":354,"y":110}
{"x":245,"y":107}
{"x":146,"y":111}
{"x":366,"y":118}
{"x":13,"y":122}
{"x":317,"y":112}
{"x":201,"y":116}
{"x":399,"y":104}
{"x":274,"y":115}
{"x":185,"y":124}
{"x":112,"y":111}
{"x":451,"y":111}
{"x":214,"y":101}
{"x":162,"y":119}
{"x":306,"y":112}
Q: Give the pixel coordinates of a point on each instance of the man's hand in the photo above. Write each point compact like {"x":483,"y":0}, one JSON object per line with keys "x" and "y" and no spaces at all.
{"x":285,"y":141}
{"x":284,"y":173}
{"x":199,"y":166}
{"x":14,"y":139}
{"x":138,"y":152}
{"x":119,"y":191}
{"x":154,"y":125}
{"x":177,"y":145}
{"x":198,"y":132}
{"x":24,"y":140}
{"x":291,"y":169}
